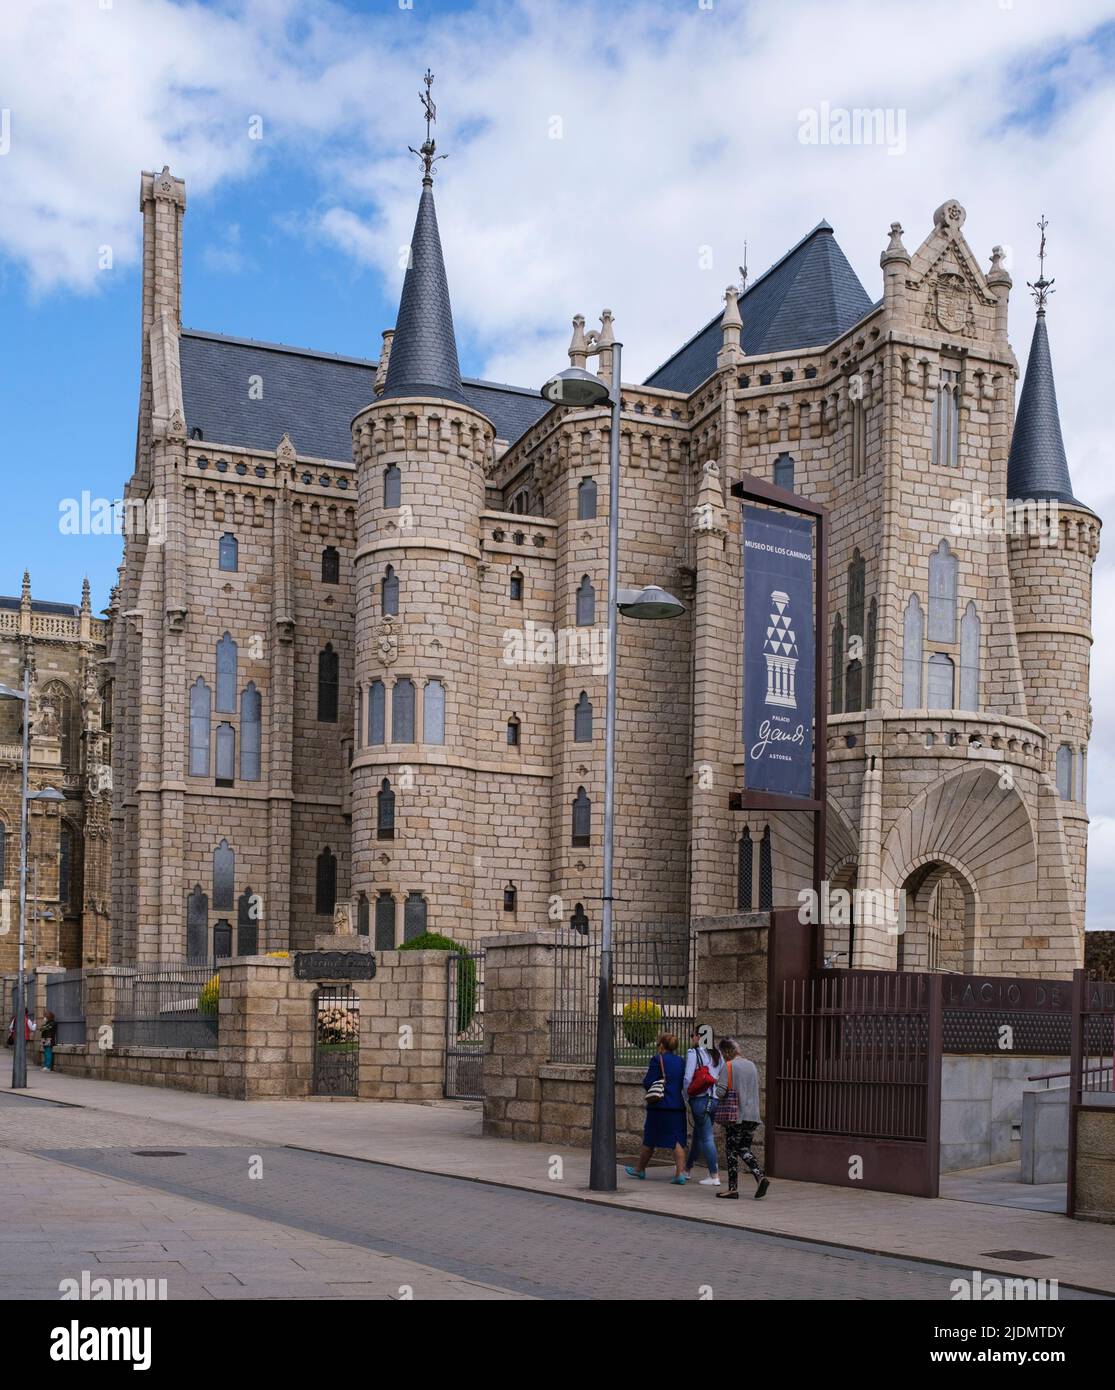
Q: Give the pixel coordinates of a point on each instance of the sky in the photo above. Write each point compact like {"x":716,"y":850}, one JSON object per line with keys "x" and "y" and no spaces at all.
{"x":612,"y":155}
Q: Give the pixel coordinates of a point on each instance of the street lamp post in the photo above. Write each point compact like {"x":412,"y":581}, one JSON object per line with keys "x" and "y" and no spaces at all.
{"x":576,"y":387}
{"x":19,"y":1031}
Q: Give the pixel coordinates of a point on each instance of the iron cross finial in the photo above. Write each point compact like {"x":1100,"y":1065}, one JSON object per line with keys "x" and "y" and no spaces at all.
{"x":426,"y":153}
{"x":1041,"y":288}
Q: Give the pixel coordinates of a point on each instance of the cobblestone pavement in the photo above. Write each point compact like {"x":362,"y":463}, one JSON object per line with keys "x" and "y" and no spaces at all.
{"x":77,"y":1196}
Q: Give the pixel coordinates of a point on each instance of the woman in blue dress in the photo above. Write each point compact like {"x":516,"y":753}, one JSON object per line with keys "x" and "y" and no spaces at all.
{"x":665,"y":1123}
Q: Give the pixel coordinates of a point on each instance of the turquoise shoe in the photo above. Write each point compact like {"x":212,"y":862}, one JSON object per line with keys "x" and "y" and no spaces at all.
{"x":680,"y":1181}
{"x":634,"y":1173}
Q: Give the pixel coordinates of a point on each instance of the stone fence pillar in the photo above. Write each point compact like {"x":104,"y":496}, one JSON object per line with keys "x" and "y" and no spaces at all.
{"x":265,"y":1037}
{"x":518,"y":1002}
{"x":402,"y":1026}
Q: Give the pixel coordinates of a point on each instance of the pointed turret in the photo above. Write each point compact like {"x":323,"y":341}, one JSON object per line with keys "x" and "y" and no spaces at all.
{"x":423,"y":359}
{"x":1038,"y":466}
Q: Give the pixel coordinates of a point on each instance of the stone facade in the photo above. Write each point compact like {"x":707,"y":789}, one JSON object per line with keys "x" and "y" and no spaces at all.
{"x":433,"y":781}
{"x":69,"y":865}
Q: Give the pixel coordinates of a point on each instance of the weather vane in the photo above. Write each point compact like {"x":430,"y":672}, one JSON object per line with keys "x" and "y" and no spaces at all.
{"x":426,"y":153}
{"x":1041,"y":288}
{"x":743,"y":271}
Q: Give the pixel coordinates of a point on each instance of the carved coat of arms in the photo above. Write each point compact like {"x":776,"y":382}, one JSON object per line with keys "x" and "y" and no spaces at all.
{"x":953,"y":302}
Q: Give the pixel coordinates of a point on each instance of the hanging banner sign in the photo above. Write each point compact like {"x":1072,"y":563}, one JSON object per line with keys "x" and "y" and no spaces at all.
{"x":778,"y":652}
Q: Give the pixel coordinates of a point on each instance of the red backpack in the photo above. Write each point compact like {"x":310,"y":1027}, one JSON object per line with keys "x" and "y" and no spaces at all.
{"x":703,"y":1079}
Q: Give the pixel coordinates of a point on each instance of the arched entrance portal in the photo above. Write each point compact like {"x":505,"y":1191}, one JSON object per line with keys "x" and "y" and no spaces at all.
{"x":940,"y":920}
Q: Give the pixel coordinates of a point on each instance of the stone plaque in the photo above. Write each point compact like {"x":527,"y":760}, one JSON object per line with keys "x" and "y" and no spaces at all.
{"x":334,"y":965}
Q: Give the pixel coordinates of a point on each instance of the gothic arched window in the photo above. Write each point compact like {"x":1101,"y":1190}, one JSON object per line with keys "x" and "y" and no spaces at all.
{"x":330,"y":565}
{"x":325,"y":883}
{"x":433,"y":712}
{"x":582,"y":719}
{"x":222,"y":939}
{"x":1064,"y":772}
{"x":942,"y":594}
{"x":402,"y":711}
{"x":226,"y":675}
{"x":872,"y":643}
{"x":784,"y":472}
{"x":247,"y":923}
{"x":385,"y":811}
{"x":939,"y":687}
{"x":224,"y":876}
{"x":836,"y":694}
{"x":251,"y":734}
{"x":582,"y":818}
{"x":515,"y":588}
{"x":578,"y":922}
{"x":946,"y":413}
{"x":328,"y":684}
{"x":392,"y":486}
{"x":913,"y":631}
{"x":745,"y":867}
{"x":766,"y":873}
{"x":389,"y":592}
{"x":377,"y":713}
{"x":586,"y":499}
{"x":197,"y":925}
{"x":586,"y":603}
{"x":228,"y":552}
{"x":226,"y":755}
{"x":414,"y":916}
{"x":385,"y":921}
{"x":363,"y":915}
{"x":969,"y":658}
{"x":200,"y":704}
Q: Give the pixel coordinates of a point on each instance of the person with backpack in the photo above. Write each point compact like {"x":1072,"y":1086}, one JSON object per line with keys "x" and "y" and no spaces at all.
{"x":702,"y":1071}
{"x":665,"y":1122}
{"x":737,"y":1109}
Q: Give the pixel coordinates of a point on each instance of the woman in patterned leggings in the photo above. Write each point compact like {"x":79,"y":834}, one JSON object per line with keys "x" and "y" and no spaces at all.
{"x":738,"y":1075}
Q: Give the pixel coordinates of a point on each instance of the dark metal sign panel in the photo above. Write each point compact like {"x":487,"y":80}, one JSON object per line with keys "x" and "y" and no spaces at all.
{"x":334,"y":965}
{"x":778,"y":652}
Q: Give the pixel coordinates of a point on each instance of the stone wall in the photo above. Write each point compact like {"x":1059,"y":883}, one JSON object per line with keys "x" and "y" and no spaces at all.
{"x":266,"y":1021}
{"x":981,"y":1107}
{"x":1095,"y":1164}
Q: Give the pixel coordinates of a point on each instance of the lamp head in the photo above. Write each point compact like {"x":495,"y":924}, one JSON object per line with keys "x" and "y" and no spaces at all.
{"x":575,"y":386}
{"x":652,"y":602}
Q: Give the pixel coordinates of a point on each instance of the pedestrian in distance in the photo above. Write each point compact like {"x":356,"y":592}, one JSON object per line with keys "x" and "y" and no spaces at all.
{"x":665,"y":1123}
{"x":702,"y":1071}
{"x":737,"y":1109}
{"x":49,"y":1033}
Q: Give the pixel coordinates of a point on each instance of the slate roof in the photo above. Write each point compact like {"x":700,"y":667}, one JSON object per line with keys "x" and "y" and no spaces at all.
{"x":312,"y":396}
{"x":1038,"y":466}
{"x":805,"y":300}
{"x":62,"y":610}
{"x":423,"y":359}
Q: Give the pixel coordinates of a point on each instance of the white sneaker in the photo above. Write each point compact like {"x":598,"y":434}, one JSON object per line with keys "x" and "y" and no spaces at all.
{"x":710,"y":1182}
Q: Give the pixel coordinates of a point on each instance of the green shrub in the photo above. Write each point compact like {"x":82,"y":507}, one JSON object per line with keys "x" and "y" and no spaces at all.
{"x":467,"y":982}
{"x":209,"y":997}
{"x":642,"y":1022}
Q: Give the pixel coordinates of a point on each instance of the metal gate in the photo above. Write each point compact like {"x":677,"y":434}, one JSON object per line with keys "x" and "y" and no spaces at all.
{"x":336,"y":1041}
{"x":464,"y":1025}
{"x":65,"y":998}
{"x":853,"y":1071}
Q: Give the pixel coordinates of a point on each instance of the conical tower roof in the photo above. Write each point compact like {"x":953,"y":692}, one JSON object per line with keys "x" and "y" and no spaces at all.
{"x":423,"y":358}
{"x":1038,"y":466}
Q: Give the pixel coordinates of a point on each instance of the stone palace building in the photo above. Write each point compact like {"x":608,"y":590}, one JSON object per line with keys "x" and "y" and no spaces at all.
{"x":363,"y":670}
{"x":69,"y":861}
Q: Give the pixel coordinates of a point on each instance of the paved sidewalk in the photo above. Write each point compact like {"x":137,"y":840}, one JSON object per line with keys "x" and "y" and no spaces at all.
{"x":446,"y":1138}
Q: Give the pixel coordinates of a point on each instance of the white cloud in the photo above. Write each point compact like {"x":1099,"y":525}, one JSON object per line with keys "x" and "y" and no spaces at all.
{"x":679,"y":130}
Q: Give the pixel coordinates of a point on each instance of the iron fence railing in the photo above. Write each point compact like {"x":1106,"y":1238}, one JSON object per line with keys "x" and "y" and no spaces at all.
{"x":65,"y":998}
{"x":168,"y":1006}
{"x":653,"y":991}
{"x":1093,"y":1055}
